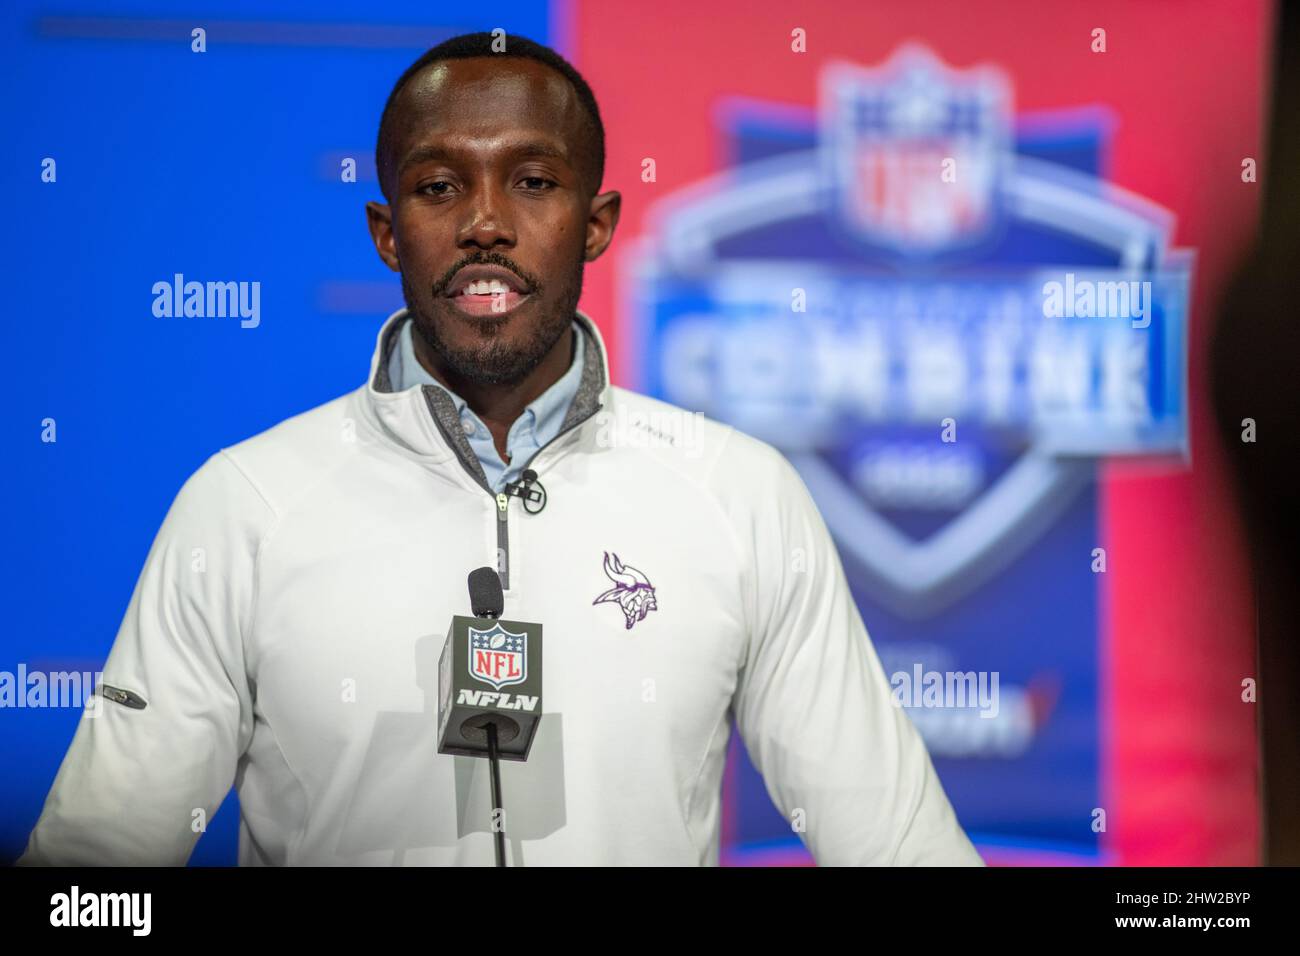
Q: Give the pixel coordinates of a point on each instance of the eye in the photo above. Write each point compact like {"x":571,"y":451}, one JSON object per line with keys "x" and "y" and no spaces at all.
{"x":428,"y":186}
{"x":545,"y":184}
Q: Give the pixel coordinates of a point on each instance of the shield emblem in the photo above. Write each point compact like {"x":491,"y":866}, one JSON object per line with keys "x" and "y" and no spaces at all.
{"x":856,"y":387}
{"x":497,"y":656}
{"x":915,"y":151}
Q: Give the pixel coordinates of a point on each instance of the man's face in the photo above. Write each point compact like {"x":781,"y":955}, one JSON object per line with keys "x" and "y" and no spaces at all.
{"x":490,"y":168}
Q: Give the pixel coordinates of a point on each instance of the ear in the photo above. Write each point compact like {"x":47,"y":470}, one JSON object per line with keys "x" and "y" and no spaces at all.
{"x":380,"y":220}
{"x":601,"y":222}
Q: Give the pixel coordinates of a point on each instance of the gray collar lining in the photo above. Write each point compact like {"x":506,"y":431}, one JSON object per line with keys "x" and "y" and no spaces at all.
{"x":586,"y":401}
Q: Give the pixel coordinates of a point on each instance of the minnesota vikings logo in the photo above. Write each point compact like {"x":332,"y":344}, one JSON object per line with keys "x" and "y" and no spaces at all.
{"x":632,"y":590}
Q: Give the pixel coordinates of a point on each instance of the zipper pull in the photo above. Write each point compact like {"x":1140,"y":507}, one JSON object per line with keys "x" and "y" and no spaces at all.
{"x":125,"y":697}
{"x":502,"y":503}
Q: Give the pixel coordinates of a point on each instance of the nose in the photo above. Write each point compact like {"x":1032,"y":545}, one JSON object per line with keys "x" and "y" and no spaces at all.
{"x":488,"y":221}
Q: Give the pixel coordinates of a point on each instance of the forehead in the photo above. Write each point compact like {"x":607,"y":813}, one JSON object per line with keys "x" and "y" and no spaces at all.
{"x":485,"y":98}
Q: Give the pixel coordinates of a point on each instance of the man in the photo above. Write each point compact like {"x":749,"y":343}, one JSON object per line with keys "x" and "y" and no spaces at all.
{"x":681,"y":569}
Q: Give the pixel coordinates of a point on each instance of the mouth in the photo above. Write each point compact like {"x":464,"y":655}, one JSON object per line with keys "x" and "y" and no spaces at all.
{"x":487,"y":290}
{"x":494,"y":303}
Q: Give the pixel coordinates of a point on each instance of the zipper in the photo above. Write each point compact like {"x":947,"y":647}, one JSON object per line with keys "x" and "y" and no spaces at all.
{"x":501,"y":499}
{"x":503,"y":540}
{"x":503,"y":506}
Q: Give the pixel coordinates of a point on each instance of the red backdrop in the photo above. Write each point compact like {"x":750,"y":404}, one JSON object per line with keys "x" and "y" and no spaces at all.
{"x":1188,"y":84}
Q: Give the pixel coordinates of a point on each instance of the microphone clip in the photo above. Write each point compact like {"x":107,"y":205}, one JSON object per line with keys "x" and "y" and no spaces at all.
{"x":531,"y":491}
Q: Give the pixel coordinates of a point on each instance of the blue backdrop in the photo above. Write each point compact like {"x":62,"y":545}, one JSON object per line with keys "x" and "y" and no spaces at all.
{"x":222,"y":166}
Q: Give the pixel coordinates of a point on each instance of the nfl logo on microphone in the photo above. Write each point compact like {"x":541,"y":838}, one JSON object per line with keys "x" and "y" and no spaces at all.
{"x":498,"y":657}
{"x":480,"y":652}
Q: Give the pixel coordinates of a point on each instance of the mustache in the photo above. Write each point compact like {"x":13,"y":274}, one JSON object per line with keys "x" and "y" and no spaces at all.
{"x":531,"y":285}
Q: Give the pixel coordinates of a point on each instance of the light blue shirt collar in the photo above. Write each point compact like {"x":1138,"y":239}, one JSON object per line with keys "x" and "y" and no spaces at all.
{"x":538,"y":424}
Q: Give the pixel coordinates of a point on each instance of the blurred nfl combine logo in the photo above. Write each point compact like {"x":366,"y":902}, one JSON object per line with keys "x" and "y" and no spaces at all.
{"x":878,"y":293}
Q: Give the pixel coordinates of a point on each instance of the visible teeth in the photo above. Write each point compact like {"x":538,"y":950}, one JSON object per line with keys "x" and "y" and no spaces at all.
{"x":486,"y":287}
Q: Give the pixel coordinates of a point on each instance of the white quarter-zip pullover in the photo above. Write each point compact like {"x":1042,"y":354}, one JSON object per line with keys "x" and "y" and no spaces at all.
{"x":285,"y":631}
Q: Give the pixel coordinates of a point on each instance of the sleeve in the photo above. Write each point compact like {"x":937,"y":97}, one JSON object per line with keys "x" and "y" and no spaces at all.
{"x":156,"y":749}
{"x":816,"y":711}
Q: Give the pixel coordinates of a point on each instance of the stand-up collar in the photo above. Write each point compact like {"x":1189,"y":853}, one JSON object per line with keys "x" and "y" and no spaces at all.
{"x":425,"y":421}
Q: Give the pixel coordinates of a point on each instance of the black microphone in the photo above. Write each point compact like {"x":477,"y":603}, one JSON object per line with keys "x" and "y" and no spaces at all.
{"x":490,"y":672}
{"x":485,"y":596}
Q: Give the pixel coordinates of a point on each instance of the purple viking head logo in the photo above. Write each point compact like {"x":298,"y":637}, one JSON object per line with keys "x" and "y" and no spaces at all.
{"x":632,"y":590}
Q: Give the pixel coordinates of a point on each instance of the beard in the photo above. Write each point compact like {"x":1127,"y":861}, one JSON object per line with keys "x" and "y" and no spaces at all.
{"x":493,"y":359}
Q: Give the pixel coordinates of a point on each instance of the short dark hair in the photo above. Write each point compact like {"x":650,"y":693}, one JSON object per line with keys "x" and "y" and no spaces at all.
{"x":469,"y":45}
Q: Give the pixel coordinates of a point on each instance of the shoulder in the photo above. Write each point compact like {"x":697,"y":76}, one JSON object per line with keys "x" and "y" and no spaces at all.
{"x":721,"y":459}
{"x":278,"y":463}
{"x":677,"y":436}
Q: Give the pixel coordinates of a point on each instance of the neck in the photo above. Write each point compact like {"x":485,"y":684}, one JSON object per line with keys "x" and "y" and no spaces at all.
{"x":499,"y":406}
